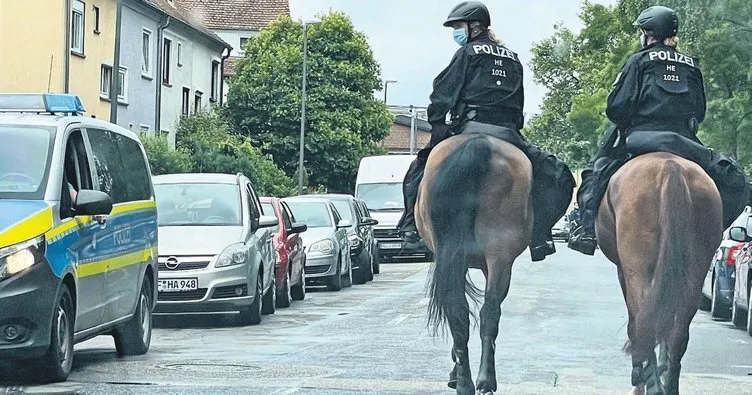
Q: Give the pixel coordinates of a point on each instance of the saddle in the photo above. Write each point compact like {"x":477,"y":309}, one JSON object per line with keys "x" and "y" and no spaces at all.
{"x":725,"y":172}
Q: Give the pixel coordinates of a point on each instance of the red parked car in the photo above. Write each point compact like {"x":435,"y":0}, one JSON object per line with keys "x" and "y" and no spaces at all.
{"x":288,"y":247}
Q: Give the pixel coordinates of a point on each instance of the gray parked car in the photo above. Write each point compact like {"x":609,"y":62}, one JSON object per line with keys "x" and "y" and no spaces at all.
{"x":325,"y":242}
{"x":215,"y":249}
{"x":360,"y":235}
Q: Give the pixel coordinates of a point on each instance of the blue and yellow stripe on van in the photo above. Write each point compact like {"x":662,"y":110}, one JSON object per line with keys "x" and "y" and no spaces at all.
{"x":80,"y":241}
{"x":21,"y":220}
{"x":97,"y":250}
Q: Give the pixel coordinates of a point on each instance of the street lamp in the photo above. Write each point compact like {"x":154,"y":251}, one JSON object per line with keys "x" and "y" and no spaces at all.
{"x":386,"y":85}
{"x":303,"y":104}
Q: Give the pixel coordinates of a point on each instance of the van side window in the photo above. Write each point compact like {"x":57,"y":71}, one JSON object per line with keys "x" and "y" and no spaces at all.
{"x":76,"y":173}
{"x":109,"y":166}
{"x":136,"y":171}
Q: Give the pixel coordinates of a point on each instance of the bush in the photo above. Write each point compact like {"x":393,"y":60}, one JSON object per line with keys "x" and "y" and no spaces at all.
{"x":206,"y":144}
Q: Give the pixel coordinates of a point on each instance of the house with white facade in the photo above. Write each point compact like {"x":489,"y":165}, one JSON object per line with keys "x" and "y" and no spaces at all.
{"x":236,"y":21}
{"x":188,"y":66}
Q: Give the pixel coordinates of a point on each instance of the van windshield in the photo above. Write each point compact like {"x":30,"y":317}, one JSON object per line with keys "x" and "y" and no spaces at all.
{"x":382,"y":196}
{"x":24,"y":161}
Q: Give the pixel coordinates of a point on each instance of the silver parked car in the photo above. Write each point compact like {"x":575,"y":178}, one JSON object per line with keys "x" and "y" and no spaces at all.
{"x":325,"y":241}
{"x":215,"y":249}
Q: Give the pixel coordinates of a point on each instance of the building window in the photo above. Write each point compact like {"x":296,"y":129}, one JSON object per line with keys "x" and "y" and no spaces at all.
{"x":215,"y":81}
{"x":123,"y":85}
{"x":77,"y":27}
{"x":105,"y":81}
{"x":243,"y":42}
{"x":197,"y":102}
{"x":180,"y":54}
{"x":166,"y":61}
{"x":186,"y":100}
{"x":96,"y":20}
{"x":144,"y":130}
{"x":146,"y":53}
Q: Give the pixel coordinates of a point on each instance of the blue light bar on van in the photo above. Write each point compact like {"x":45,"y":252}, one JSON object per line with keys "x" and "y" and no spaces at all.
{"x":41,"y":103}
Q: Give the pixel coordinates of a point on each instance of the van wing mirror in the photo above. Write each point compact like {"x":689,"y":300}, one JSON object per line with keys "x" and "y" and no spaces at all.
{"x":90,"y":202}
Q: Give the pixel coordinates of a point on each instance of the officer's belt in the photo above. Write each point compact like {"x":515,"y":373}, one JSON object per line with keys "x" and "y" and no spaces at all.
{"x":497,"y":117}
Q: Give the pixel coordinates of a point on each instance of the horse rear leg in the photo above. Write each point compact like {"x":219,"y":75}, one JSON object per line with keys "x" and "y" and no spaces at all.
{"x":459,"y":325}
{"x":677,"y":346}
{"x":498,"y":277}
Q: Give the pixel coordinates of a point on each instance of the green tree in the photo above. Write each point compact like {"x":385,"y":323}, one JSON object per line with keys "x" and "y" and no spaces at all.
{"x":163,"y":160}
{"x":344,"y":122}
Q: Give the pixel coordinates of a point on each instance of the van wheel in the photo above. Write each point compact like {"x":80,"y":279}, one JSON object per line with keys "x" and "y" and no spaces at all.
{"x":284,"y":299}
{"x":269,"y":303}
{"x":57,"y":362}
{"x":134,"y":336}
{"x":252,"y":314}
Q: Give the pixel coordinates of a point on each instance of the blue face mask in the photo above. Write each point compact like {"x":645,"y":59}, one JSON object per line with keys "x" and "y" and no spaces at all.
{"x":460,"y":36}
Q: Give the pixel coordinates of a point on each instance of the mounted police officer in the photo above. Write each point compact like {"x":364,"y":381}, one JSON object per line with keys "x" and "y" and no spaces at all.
{"x":482,"y":85}
{"x":658,"y":90}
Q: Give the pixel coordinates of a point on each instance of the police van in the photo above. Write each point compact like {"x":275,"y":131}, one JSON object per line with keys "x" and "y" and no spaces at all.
{"x":78,"y":234}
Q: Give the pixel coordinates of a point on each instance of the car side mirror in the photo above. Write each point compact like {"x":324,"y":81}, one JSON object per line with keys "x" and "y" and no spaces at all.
{"x":94,"y":203}
{"x":344,"y":224}
{"x":298,"y":227}
{"x":368,"y":221}
{"x":739,"y":234}
{"x":267,"y":221}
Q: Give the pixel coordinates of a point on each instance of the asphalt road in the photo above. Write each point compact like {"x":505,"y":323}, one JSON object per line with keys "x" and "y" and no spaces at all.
{"x":562,"y":330}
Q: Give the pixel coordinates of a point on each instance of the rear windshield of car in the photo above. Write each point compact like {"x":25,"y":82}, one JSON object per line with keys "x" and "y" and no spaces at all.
{"x":343,"y":208}
{"x":198,"y":204}
{"x":313,"y":214}
{"x":24,"y":161}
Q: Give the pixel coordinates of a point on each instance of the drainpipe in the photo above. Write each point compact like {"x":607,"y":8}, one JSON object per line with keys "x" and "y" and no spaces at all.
{"x":158,"y":75}
{"x":66,"y":50}
{"x":115,"y":75}
{"x":222,"y":76}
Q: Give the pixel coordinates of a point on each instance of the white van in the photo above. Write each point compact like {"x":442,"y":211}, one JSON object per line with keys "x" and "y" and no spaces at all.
{"x":379,"y":185}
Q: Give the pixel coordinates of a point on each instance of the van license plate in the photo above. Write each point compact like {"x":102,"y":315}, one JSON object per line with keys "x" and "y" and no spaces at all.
{"x":390,"y":246}
{"x":178,"y":285}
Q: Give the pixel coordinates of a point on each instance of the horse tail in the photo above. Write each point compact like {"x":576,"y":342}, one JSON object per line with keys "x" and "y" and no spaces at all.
{"x":453,"y":206}
{"x":656,"y":317}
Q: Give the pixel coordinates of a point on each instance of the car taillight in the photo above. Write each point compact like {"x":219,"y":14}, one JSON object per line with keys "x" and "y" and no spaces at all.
{"x":732,"y":253}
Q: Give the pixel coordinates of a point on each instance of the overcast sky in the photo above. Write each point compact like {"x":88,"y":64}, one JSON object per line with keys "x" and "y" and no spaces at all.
{"x":412,"y":46}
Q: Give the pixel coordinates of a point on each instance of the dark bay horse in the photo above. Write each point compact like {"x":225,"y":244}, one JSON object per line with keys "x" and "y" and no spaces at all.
{"x":660,"y":222}
{"x":474,"y":210}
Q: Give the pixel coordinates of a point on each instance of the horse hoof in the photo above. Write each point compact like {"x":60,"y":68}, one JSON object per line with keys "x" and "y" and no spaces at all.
{"x":637,"y":391}
{"x":452,"y":384}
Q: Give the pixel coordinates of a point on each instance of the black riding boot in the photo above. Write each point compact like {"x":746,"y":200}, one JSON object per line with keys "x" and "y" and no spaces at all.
{"x":407,"y":228}
{"x":582,"y":238}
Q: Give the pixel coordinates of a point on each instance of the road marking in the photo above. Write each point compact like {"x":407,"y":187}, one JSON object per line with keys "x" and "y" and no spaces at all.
{"x":399,"y":319}
{"x":286,"y":392}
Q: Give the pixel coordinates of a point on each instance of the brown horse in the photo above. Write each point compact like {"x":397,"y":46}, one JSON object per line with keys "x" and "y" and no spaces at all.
{"x":660,"y":222}
{"x":474,"y":210}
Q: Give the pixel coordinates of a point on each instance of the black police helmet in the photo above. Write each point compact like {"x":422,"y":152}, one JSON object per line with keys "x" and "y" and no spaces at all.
{"x":658,"y":21}
{"x":469,"y":11}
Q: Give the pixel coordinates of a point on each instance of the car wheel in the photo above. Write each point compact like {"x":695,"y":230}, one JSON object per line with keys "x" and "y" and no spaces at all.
{"x":57,"y":362}
{"x":335,"y":281}
{"x":252,"y":314}
{"x":348,"y":282}
{"x":364,"y":269}
{"x":269,"y":303}
{"x":134,"y":337}
{"x":298,"y":291}
{"x":284,"y":298}
{"x":738,"y":315}
{"x":376,"y":262}
{"x":749,"y":314}
{"x":718,"y":309}
{"x":369,"y":270}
